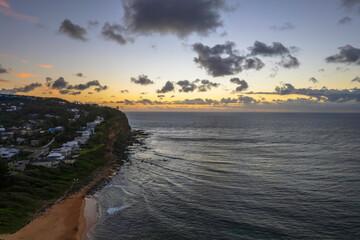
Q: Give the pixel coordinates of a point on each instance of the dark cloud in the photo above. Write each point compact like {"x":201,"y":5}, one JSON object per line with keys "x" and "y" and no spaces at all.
{"x":285,"y":89}
{"x":186,"y":86}
{"x":253,"y":63}
{"x":80,"y":75}
{"x":247,"y":99}
{"x":205,"y":85}
{"x":72,"y":30}
{"x":351,"y":5}
{"x":289,"y":62}
{"x":25,"y":89}
{"x":124,"y":91}
{"x":242,"y":84}
{"x":223,"y":59}
{"x":324,"y":94}
{"x":3,"y":70}
{"x":101,"y":88}
{"x":142,"y":80}
{"x":286,"y":26}
{"x":145,"y":101}
{"x":348,"y":54}
{"x":196,"y":101}
{"x":114,"y":32}
{"x":345,"y":20}
{"x":313,"y":80}
{"x":160,"y":96}
{"x":356,"y":79}
{"x":229,"y":100}
{"x":276,"y":49}
{"x":59,"y":83}
{"x":321,"y":70}
{"x":178,"y":17}
{"x":64,"y":91}
{"x":3,"y":81}
{"x":87,"y":85}
{"x":169,"y":87}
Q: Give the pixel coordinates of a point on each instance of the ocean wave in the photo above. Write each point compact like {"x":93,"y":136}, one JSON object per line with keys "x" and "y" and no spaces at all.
{"x":114,"y":210}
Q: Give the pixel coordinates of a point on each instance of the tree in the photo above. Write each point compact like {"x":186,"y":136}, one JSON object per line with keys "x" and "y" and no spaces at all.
{"x":4,"y":173}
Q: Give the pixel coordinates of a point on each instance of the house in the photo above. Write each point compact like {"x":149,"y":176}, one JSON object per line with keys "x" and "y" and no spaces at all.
{"x":59,"y":128}
{"x":20,"y":140}
{"x":74,"y":145}
{"x":92,"y":124}
{"x":34,"y":143}
{"x":52,"y":130}
{"x":8,"y":153}
{"x":81,"y":140}
{"x":64,"y":151}
{"x":55,"y":156}
{"x":2,"y":129}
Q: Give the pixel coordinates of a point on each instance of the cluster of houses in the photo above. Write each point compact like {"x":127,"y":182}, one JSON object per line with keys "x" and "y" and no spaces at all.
{"x":68,"y":152}
{"x":10,"y":108}
{"x":8,"y":153}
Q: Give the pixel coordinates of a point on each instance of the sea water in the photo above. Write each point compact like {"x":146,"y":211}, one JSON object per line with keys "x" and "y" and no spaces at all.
{"x":237,"y":176}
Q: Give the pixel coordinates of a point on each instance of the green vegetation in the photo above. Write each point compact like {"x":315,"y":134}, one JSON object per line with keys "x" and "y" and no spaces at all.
{"x":25,"y":193}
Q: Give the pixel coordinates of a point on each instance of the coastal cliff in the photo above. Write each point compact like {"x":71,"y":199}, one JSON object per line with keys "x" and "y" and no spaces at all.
{"x":50,"y":201}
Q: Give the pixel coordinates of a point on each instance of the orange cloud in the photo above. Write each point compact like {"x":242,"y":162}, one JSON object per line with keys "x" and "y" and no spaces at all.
{"x":2,"y":80}
{"x":4,"y":4}
{"x":23,"y":75}
{"x":45,"y":66}
{"x":6,"y":10}
{"x":24,"y":61}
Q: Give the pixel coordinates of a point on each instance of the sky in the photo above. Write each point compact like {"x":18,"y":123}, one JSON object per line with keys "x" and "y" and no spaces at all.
{"x":185,"y":55}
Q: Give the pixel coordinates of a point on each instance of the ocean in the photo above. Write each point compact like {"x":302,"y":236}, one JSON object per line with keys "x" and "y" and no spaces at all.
{"x":236,"y":176}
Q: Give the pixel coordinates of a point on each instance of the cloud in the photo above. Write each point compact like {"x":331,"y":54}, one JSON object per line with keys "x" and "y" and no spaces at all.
{"x":79,"y":75}
{"x":313,"y":80}
{"x":101,"y":88}
{"x":93,"y":23}
{"x":45,"y":66}
{"x":286,"y":26}
{"x":4,"y":4}
{"x":223,"y":59}
{"x":276,"y":49}
{"x":289,"y":62}
{"x":321,"y":70}
{"x":177,"y":17}
{"x":356,"y":79}
{"x":345,"y":20}
{"x":6,"y":10}
{"x":25,"y":89}
{"x":23,"y":75}
{"x":124,"y":91}
{"x":3,"y":70}
{"x":242,"y":84}
{"x":186,"y":86}
{"x":229,"y":100}
{"x":142,"y":80}
{"x":169,"y":87}
{"x":4,"y":81}
{"x":72,"y":30}
{"x":59,"y":83}
{"x":87,"y":85}
{"x":114,"y":33}
{"x":206,"y":85}
{"x":323,"y":94}
{"x":351,"y":5}
{"x":246,"y":99}
{"x":348,"y":54}
{"x":285,"y":89}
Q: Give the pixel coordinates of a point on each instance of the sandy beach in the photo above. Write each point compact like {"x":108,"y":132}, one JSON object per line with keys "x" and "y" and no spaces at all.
{"x":64,"y":221}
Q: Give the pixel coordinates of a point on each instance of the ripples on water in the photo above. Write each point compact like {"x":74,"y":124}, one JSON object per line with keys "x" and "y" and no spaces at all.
{"x":237,"y":176}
